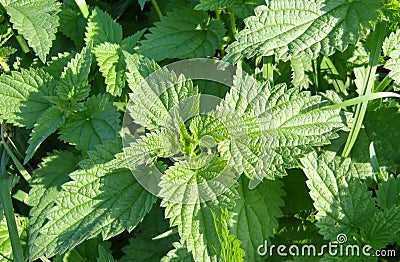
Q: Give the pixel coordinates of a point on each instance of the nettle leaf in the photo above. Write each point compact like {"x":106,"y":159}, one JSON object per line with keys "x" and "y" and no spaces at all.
{"x":36,"y":21}
{"x":147,"y":236}
{"x":58,"y":63}
{"x":22,"y":96}
{"x":102,"y":28}
{"x":141,"y":3}
{"x":48,"y":123}
{"x":214,"y":5}
{"x":72,"y":23}
{"x":390,"y":49}
{"x":256,"y":215}
{"x":301,"y":122}
{"x":46,"y":185}
{"x":388,"y":194}
{"x":194,"y":223}
{"x":97,"y":124}
{"x":154,"y":98}
{"x":300,"y":66}
{"x":262,"y":120}
{"x":104,"y":199}
{"x":183,"y":33}
{"x":380,"y":127}
{"x":73,"y":84}
{"x":6,"y":253}
{"x":331,"y":183}
{"x":112,"y":66}
{"x":178,"y":254}
{"x":138,"y":68}
{"x":289,"y":29}
{"x":341,"y":198}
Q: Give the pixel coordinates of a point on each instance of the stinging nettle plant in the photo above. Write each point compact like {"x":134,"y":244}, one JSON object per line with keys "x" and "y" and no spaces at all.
{"x":304,"y":139}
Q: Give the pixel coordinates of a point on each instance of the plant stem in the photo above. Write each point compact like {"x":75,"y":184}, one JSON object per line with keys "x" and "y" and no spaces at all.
{"x":83,"y":7}
{"x":11,"y":224}
{"x":383,"y":84}
{"x":25,"y":174}
{"x":158,"y":10}
{"x":233,"y":23}
{"x":267,"y":69}
{"x":367,"y":87}
{"x":22,"y":43}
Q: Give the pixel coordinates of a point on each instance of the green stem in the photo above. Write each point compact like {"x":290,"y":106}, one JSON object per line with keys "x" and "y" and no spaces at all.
{"x":25,"y":174}
{"x":5,"y":198}
{"x":233,"y":23}
{"x":337,"y":83}
{"x":267,"y":69}
{"x":83,"y":7}
{"x":367,"y":87}
{"x":158,"y":10}
{"x":218,"y":14}
{"x":383,"y":84}
{"x":22,"y":43}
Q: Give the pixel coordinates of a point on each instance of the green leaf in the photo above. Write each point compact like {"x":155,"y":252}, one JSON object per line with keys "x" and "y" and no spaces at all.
{"x":340,"y":196}
{"x":102,"y":28}
{"x":36,"y":21}
{"x":139,"y":68}
{"x":22,"y":96}
{"x":97,"y":124}
{"x":141,"y":3}
{"x":380,"y":127}
{"x":5,"y":243}
{"x":141,"y":245}
{"x":261,"y":118}
{"x":289,"y":29}
{"x":72,"y":23}
{"x":194,"y":223}
{"x":256,"y":215}
{"x":46,"y":185}
{"x":104,"y":199}
{"x":388,"y":194}
{"x":73,"y":84}
{"x":178,"y":254}
{"x":300,"y":67}
{"x":382,"y":229}
{"x":390,"y":49}
{"x":214,"y":5}
{"x":154,"y":98}
{"x":183,"y":33}
{"x":142,"y":249}
{"x":48,"y":123}
{"x":112,"y":65}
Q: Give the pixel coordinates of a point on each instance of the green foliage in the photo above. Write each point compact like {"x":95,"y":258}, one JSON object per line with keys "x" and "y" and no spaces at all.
{"x":289,"y":29}
{"x":183,"y":33}
{"x":261,"y":164}
{"x":36,"y":21}
{"x":5,"y":243}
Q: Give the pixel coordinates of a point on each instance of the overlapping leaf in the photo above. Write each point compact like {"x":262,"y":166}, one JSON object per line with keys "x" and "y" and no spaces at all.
{"x":22,"y":96}
{"x":289,"y":29}
{"x":97,"y":124}
{"x":344,"y":204}
{"x":103,"y":199}
{"x":256,"y":215}
{"x":36,"y":21}
{"x":183,"y":33}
